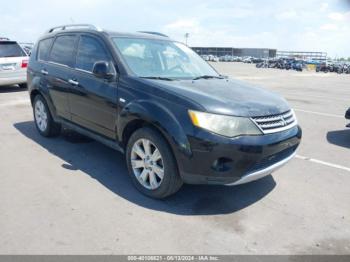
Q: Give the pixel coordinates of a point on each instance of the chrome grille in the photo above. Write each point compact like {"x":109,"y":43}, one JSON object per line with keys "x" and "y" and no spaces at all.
{"x":275,"y":123}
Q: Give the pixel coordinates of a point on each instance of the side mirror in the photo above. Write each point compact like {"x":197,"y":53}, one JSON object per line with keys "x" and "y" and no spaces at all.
{"x":102,"y":69}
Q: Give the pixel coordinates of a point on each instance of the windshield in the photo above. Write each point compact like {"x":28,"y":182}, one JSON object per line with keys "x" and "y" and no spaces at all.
{"x":10,"y":49}
{"x":164,"y":59}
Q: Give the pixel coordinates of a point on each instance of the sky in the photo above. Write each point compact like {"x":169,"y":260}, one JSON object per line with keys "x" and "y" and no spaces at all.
{"x":290,"y":25}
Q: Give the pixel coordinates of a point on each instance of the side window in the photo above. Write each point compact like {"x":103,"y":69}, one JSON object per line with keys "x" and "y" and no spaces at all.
{"x":63,"y":50}
{"x":44,"y":49}
{"x":90,"y":50}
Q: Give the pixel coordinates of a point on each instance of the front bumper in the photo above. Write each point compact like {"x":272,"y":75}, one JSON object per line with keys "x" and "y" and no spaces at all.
{"x":262,"y":172}
{"x":232,"y":161}
{"x":347,"y":114}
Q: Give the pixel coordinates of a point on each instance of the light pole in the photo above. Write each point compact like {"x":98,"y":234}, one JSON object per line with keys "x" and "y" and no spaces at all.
{"x":187,"y":35}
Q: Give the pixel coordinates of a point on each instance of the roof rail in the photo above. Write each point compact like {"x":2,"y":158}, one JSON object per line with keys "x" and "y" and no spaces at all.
{"x":153,"y":33}
{"x":4,"y":38}
{"x":65,"y":27}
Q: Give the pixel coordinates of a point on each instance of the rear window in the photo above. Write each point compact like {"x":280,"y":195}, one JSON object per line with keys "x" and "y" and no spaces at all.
{"x":10,"y":49}
{"x":63,"y":50}
{"x":44,"y":49}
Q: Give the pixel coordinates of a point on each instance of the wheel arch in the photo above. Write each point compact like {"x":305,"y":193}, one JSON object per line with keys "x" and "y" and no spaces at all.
{"x":35,"y":92}
{"x":146,"y":113}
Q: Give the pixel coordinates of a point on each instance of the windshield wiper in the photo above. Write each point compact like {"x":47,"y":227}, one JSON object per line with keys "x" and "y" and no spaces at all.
{"x":158,"y":78}
{"x":208,"y":77}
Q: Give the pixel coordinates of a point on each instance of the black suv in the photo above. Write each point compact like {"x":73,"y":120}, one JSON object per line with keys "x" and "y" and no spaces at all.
{"x":176,"y":119}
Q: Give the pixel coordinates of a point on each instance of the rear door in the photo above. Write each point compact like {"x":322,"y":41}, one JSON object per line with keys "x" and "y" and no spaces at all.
{"x":13,"y":62}
{"x":59,"y":70}
{"x":92,"y":100}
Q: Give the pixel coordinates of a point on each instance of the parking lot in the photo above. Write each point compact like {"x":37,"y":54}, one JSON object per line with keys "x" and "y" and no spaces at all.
{"x":71,"y":195}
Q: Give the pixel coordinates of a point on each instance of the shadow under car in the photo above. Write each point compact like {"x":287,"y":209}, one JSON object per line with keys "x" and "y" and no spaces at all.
{"x":108,"y":167}
{"x":339,"y":137}
{"x":12,"y":89}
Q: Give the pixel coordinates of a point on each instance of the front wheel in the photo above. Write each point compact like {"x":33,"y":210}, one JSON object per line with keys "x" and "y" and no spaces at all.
{"x":43,"y":119}
{"x":151,"y":164}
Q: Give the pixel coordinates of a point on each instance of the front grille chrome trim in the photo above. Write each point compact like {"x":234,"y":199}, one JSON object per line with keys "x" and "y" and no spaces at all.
{"x":275,"y":123}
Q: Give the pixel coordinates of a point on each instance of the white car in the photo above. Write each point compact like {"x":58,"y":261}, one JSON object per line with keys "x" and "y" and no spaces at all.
{"x":13,"y":64}
{"x":248,"y":60}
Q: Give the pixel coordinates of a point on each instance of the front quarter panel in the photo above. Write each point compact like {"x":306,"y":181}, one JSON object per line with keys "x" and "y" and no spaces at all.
{"x":165,"y":119}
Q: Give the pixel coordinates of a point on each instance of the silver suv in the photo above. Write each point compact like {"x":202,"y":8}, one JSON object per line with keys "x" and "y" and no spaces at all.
{"x":13,"y":64}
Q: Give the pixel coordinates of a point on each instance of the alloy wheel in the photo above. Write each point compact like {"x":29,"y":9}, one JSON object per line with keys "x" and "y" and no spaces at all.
{"x":40,"y":115}
{"x":147,"y":164}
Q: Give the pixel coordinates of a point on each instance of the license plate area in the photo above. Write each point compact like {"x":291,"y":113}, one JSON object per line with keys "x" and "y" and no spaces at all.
{"x":8,"y":67}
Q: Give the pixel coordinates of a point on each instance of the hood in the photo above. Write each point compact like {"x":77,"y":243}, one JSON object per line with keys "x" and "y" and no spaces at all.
{"x":228,"y":96}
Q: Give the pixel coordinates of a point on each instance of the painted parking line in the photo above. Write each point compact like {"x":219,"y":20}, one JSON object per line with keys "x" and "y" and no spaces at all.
{"x":318,"y":113}
{"x":323,"y":163}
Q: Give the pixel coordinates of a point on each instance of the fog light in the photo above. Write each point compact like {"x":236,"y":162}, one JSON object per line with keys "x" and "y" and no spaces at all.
{"x":222,"y":164}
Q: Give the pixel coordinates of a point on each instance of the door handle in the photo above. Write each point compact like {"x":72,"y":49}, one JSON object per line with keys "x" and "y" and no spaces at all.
{"x":44,"y":72}
{"x":73,"y":82}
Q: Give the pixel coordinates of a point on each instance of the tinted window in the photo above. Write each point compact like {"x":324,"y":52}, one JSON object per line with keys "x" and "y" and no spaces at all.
{"x":44,"y":49}
{"x":63,"y":50}
{"x":10,"y":49}
{"x":90,"y":51}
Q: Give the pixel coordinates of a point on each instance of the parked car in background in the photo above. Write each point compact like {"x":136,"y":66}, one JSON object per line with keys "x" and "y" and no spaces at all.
{"x":27,"y":47}
{"x":264,"y":64}
{"x":297,"y":65}
{"x":176,"y":118}
{"x":13,"y":63}
{"x":215,"y":59}
{"x":205,"y":57}
{"x":226,"y":58}
{"x":256,"y":60}
{"x":212,"y":58}
{"x":238,"y":59}
{"x":343,"y":68}
{"x":248,"y":60}
{"x":322,"y":67}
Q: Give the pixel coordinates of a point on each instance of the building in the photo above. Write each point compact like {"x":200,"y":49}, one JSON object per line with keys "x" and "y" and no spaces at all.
{"x":222,"y":51}
{"x":303,"y":55}
{"x":259,"y":53}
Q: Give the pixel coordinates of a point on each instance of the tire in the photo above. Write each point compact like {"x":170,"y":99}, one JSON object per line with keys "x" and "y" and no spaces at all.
{"x":23,"y":86}
{"x":163,"y":187}
{"x":43,"y":120}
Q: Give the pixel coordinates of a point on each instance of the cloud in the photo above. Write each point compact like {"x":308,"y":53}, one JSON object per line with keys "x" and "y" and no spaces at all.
{"x":324,"y":7}
{"x":329,"y":27}
{"x":288,"y":14}
{"x":337,"y":16}
{"x":183,"y":23}
{"x":313,"y":25}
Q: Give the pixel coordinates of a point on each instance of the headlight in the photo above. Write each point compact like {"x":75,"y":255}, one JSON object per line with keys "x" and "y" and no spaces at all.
{"x":224,"y":125}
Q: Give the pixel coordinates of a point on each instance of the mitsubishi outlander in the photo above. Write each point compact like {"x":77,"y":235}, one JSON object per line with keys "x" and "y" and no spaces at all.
{"x":174,"y":117}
